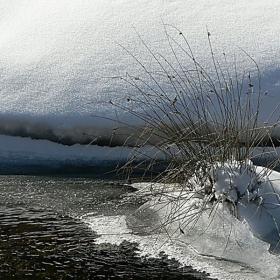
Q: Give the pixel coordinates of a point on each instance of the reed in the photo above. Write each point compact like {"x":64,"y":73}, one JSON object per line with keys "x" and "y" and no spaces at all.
{"x":195,"y":121}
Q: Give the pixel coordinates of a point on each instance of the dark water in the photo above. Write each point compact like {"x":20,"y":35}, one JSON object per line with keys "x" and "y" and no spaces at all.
{"x":42,"y":237}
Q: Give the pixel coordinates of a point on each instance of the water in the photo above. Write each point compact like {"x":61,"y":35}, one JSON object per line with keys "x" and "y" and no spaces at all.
{"x":42,"y":235}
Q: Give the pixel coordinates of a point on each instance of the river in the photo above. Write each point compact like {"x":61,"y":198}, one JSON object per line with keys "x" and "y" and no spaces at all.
{"x":44,"y":237}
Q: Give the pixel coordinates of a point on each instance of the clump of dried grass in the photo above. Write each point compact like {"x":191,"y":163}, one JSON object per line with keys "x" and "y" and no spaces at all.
{"x":192,"y":119}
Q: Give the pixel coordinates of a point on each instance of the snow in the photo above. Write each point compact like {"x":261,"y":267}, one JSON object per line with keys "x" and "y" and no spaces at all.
{"x":235,"y":180}
{"x":58,"y":58}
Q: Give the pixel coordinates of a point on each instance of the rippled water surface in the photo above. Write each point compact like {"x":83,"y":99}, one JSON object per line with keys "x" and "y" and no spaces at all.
{"x":42,"y":236}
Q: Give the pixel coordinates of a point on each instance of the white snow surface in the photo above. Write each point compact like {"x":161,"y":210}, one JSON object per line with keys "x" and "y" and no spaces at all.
{"x":58,"y":58}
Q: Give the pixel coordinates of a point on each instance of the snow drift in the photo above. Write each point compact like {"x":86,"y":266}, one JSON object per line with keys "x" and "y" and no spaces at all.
{"x":57,"y":59}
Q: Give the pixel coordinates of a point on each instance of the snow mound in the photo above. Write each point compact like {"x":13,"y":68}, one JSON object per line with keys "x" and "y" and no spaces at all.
{"x":249,"y":193}
{"x":239,"y":215}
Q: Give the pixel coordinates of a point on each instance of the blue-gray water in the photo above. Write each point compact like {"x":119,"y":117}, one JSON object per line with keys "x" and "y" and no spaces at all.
{"x":42,"y":236}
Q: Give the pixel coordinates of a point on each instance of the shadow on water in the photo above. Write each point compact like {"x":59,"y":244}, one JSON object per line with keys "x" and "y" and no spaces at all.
{"x":112,"y":169}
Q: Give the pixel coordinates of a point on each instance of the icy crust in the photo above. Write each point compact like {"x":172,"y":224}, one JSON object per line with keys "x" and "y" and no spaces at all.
{"x":204,"y":253}
{"x":220,"y":233}
{"x":237,"y":220}
{"x":247,"y":192}
{"x":228,"y":232}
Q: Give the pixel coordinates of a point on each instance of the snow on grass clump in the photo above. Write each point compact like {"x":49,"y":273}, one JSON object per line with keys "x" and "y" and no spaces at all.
{"x":250,"y":194}
{"x":233,"y":217}
{"x":234,"y":180}
{"x":210,"y":132}
{"x":239,"y":188}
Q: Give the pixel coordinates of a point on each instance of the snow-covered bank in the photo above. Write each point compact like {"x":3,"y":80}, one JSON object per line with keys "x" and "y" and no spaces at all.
{"x":57,"y":59}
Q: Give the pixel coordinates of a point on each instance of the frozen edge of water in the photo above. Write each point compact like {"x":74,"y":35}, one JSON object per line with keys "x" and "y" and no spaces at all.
{"x":113,"y":229}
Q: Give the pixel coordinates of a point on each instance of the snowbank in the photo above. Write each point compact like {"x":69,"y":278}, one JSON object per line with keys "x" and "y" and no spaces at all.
{"x":249,"y":193}
{"x":57,"y":59}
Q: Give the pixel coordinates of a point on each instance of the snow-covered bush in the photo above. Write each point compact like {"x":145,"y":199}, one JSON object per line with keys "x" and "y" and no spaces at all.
{"x":203,"y":125}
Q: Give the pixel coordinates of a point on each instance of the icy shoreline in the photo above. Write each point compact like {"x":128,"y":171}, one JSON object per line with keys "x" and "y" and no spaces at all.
{"x":219,"y":244}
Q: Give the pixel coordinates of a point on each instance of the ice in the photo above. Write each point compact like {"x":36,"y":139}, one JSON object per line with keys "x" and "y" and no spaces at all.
{"x":25,"y":150}
{"x":47,"y":150}
{"x":219,"y":244}
{"x":232,"y":237}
